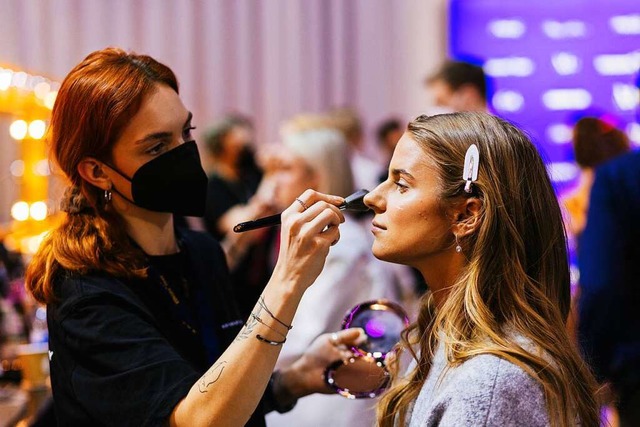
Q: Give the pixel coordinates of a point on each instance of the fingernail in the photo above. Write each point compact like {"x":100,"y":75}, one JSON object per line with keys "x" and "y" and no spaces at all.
{"x":362,"y":338}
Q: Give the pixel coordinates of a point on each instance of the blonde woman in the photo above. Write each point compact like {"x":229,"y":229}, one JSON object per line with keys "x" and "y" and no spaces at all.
{"x":468,"y":202}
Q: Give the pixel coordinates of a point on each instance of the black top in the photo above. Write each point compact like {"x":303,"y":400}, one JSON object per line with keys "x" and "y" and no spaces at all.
{"x":125,"y":353}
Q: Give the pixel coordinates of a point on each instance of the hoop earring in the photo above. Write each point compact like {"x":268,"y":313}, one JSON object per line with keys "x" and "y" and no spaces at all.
{"x":107,"y":197}
{"x":458,"y":247}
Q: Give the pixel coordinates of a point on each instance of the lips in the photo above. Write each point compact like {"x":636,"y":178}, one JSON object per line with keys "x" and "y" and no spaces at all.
{"x":377,"y":226}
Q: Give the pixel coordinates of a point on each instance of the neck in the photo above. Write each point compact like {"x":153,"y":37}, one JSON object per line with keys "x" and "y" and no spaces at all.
{"x":441,"y":272}
{"x":154,"y":238}
{"x":153,"y":233}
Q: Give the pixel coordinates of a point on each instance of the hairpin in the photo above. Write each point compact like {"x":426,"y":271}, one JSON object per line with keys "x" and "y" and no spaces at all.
{"x":471,"y":164}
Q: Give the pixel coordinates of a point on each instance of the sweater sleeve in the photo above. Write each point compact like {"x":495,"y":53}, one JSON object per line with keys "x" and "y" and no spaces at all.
{"x":493,"y":392}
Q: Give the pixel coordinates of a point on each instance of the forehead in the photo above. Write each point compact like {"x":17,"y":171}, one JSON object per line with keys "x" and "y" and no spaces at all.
{"x":287,"y":157}
{"x":160,"y":109}
{"x":410,"y":156}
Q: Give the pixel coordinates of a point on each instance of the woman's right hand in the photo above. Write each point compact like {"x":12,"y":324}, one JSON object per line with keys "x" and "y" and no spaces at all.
{"x":309,"y":229}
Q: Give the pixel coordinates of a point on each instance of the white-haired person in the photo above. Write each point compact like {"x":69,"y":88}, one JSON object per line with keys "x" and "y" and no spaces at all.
{"x":316,"y":157}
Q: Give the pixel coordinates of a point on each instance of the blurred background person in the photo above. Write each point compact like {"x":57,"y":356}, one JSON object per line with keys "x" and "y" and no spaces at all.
{"x":595,"y":141}
{"x":388,"y":134}
{"x":458,"y":86}
{"x":366,"y":171}
{"x":316,"y":157}
{"x":236,"y":192}
{"x":609,"y":261}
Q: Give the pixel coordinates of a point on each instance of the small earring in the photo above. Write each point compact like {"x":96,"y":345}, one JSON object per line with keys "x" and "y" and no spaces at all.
{"x":458,"y":247}
{"x":107,"y":197}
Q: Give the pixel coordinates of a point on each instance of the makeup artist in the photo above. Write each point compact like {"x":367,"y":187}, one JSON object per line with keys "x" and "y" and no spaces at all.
{"x":143,"y":330}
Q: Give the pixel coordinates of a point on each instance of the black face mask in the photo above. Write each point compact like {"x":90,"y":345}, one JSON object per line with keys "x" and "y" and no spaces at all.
{"x":172,"y":182}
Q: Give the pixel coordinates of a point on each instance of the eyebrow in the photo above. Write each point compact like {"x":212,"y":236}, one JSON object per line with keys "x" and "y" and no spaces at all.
{"x":403,"y":172}
{"x":162,"y":135}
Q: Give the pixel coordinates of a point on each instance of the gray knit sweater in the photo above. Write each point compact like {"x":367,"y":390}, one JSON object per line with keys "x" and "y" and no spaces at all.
{"x":483,"y":391}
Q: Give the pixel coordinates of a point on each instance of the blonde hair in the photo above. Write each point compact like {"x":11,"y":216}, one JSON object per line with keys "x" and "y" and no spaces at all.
{"x":516,"y":281}
{"x":325,"y":152}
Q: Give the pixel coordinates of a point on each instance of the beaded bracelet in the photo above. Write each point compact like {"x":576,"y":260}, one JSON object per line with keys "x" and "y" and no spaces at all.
{"x":274,"y":343}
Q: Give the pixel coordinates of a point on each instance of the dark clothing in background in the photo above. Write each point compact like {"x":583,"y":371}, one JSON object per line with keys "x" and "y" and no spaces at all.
{"x":609,"y":259}
{"x":125,"y":353}
{"x":253,"y":271}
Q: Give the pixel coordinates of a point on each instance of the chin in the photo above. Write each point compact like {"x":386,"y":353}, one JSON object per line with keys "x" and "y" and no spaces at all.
{"x":382,"y":253}
{"x":388,"y":255}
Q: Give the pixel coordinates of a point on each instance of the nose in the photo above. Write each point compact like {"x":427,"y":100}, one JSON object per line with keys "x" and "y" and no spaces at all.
{"x":374,"y":200}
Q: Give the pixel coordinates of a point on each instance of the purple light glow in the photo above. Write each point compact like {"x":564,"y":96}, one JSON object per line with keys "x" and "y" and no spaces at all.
{"x":550,"y":63}
{"x":375,"y":328}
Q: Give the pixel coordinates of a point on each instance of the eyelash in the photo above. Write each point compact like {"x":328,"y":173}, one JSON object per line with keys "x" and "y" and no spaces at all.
{"x":156,"y":149}
{"x":401,"y":187}
{"x":187,"y":132}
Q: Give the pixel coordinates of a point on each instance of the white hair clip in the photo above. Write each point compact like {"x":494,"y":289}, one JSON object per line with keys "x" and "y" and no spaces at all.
{"x":471,"y":164}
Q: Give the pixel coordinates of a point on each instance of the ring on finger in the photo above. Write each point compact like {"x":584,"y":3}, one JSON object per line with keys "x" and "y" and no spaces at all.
{"x":334,"y":339}
{"x":303,"y":204}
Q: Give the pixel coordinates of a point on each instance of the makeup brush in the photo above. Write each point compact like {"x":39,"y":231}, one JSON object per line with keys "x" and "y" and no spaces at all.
{"x":353,"y":202}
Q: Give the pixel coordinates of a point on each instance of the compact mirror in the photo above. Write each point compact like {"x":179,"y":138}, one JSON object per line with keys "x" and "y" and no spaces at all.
{"x":364,"y":375}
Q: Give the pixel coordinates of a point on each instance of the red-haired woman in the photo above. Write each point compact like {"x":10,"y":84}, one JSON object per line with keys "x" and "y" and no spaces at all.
{"x":142,"y":328}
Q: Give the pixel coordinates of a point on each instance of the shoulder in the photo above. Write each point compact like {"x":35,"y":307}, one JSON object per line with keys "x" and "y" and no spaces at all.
{"x":488,"y":372}
{"x":77,"y":286}
{"x":77,"y":292}
{"x":629,"y":160}
{"x":487,"y":390}
{"x":499,"y":390}
{"x":620,"y":169}
{"x":616,"y":185}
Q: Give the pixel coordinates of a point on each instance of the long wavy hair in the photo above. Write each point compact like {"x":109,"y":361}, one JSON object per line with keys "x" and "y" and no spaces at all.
{"x":95,"y":102}
{"x":516,"y":279}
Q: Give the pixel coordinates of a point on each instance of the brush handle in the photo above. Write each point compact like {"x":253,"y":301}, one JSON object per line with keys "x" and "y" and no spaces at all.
{"x":353,"y":202}
{"x":267,"y":221}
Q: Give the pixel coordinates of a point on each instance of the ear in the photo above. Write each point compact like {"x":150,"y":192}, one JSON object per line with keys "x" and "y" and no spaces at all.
{"x":467,"y":217}
{"x":91,"y":171}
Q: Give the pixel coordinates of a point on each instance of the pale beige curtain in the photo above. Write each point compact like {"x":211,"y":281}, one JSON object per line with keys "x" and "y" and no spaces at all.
{"x":268,"y":59}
